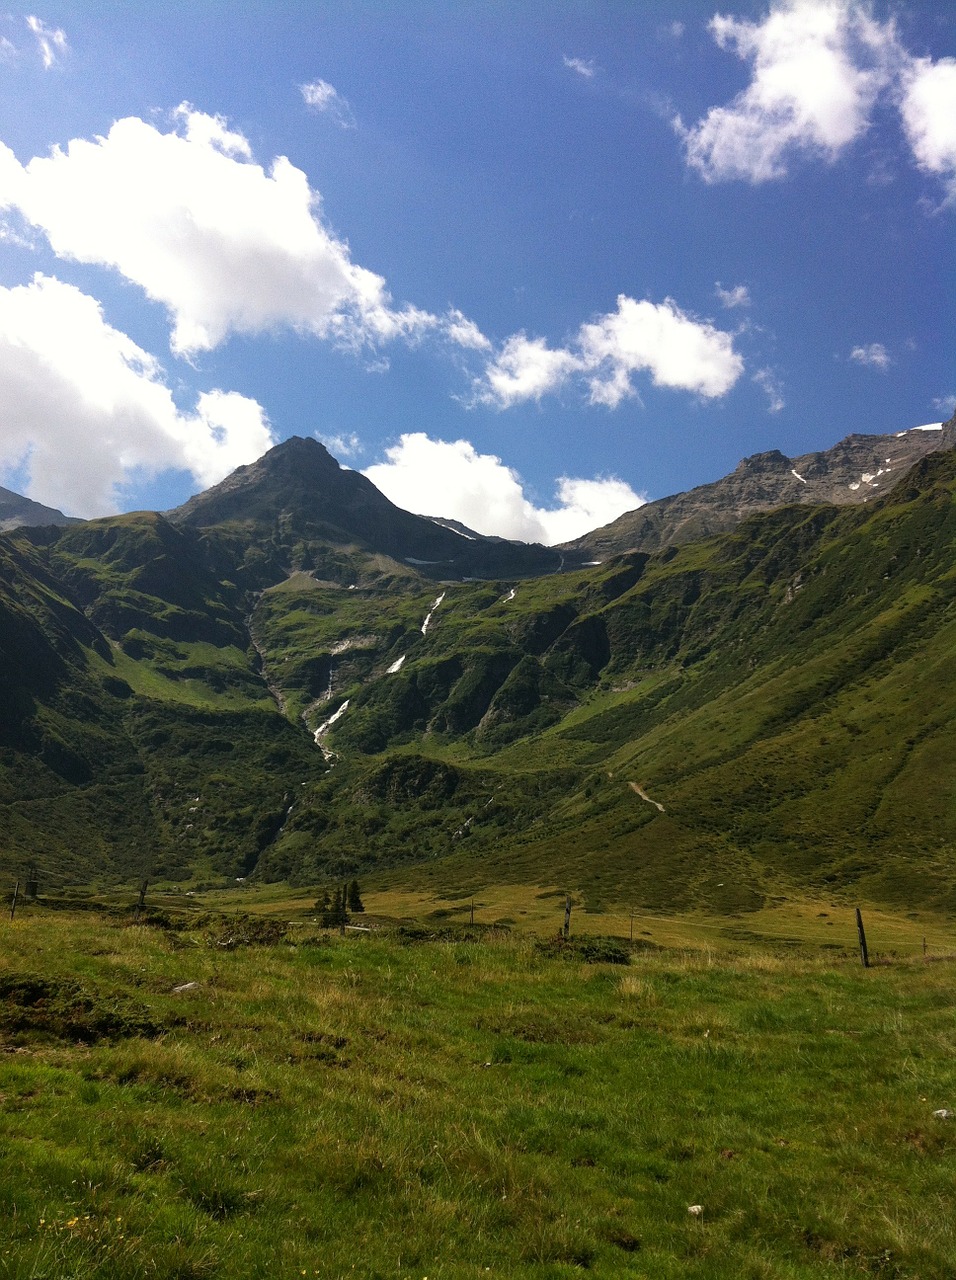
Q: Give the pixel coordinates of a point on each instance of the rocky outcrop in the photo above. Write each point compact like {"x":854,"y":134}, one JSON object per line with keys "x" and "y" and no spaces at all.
{"x":852,"y":472}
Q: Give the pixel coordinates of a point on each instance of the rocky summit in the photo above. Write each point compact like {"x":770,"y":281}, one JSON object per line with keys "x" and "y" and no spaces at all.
{"x":854,"y":471}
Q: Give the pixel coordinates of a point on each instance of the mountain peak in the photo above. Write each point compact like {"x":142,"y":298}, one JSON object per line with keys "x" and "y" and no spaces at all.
{"x":855,"y":470}
{"x":297,"y":491}
{"x":758,"y":463}
{"x":16,"y":511}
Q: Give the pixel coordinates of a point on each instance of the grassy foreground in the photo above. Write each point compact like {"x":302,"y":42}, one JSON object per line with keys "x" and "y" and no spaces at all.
{"x":379,"y":1106}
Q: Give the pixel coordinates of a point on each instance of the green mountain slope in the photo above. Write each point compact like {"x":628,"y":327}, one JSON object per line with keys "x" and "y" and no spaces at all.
{"x":249,"y":688}
{"x":785,"y":693}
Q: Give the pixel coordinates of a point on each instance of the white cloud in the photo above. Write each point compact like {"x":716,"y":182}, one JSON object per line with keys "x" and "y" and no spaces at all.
{"x":818,"y":67}
{"x":928,"y":108}
{"x":583,"y":66}
{"x":873,"y":354}
{"x":464,"y":332}
{"x":738,"y":296}
{"x":349,"y":446}
{"x":945,"y":405}
{"x":656,"y":338}
{"x":322,"y":96}
{"x":211,"y":131}
{"x":587,"y":505}
{"x":51,"y":41}
{"x":454,"y":481}
{"x":84,"y":408}
{"x":225,"y":246}
{"x":770,"y":383}
{"x":526,"y":369}
{"x":661,"y":339}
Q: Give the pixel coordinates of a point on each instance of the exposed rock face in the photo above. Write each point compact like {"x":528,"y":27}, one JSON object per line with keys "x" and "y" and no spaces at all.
{"x":17,"y":512}
{"x":853,"y":471}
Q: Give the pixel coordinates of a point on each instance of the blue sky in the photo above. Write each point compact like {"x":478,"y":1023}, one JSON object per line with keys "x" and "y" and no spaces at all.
{"x":524,"y":264}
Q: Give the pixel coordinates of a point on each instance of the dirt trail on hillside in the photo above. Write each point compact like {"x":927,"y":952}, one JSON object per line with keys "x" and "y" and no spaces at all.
{"x":644,"y":796}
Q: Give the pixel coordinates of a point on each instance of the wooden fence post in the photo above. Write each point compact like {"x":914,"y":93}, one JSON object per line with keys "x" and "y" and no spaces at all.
{"x":16,"y":894}
{"x":864,"y":954}
{"x":567,"y":915}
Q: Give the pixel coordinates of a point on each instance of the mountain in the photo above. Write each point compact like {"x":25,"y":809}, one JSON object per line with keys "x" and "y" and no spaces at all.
{"x":264,"y":684}
{"x":853,"y":471}
{"x":15,"y":510}
{"x":298,"y":494}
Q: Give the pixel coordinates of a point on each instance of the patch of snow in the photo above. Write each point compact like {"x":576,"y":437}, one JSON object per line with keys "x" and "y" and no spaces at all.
{"x":428,"y":615}
{"x":590,"y":564}
{"x":929,"y":426}
{"x":396,"y":665}
{"x":510,"y":595}
{"x":452,"y":529}
{"x":855,"y":485}
{"x":412,"y":560}
{"x":326,"y":725}
{"x":797,"y":475}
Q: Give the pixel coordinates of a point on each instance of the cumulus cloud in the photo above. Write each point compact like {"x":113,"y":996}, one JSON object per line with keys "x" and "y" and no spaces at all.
{"x":817,"y":69}
{"x":659,"y":339}
{"x":526,"y":369}
{"x":928,"y":108}
{"x":51,"y":41}
{"x":224,"y":245}
{"x":873,"y":354}
{"x":83,"y":408}
{"x":324,"y":97}
{"x":738,"y":296}
{"x":582,"y":66}
{"x":662,"y":340}
{"x":945,"y":405}
{"x":451,"y":479}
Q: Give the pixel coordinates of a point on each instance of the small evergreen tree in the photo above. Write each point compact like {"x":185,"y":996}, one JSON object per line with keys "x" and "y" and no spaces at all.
{"x":335,"y":914}
{"x":355,"y":898}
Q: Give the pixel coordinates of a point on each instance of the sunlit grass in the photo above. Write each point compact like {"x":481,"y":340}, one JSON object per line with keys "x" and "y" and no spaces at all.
{"x":360,"y":1106}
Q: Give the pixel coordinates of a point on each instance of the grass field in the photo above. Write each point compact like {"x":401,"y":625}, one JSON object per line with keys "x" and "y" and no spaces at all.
{"x":237,"y":1097}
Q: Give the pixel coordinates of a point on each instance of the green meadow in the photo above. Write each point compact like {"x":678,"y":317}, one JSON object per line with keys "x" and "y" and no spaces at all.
{"x":236,"y":1094}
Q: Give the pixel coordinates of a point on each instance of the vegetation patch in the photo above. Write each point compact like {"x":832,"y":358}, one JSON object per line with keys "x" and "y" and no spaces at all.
{"x":35,"y":1007}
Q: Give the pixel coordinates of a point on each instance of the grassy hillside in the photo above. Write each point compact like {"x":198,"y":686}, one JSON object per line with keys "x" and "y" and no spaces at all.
{"x":783,"y":693}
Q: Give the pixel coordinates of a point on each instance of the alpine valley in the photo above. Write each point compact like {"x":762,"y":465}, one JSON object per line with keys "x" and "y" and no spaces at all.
{"x":737,"y":692}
